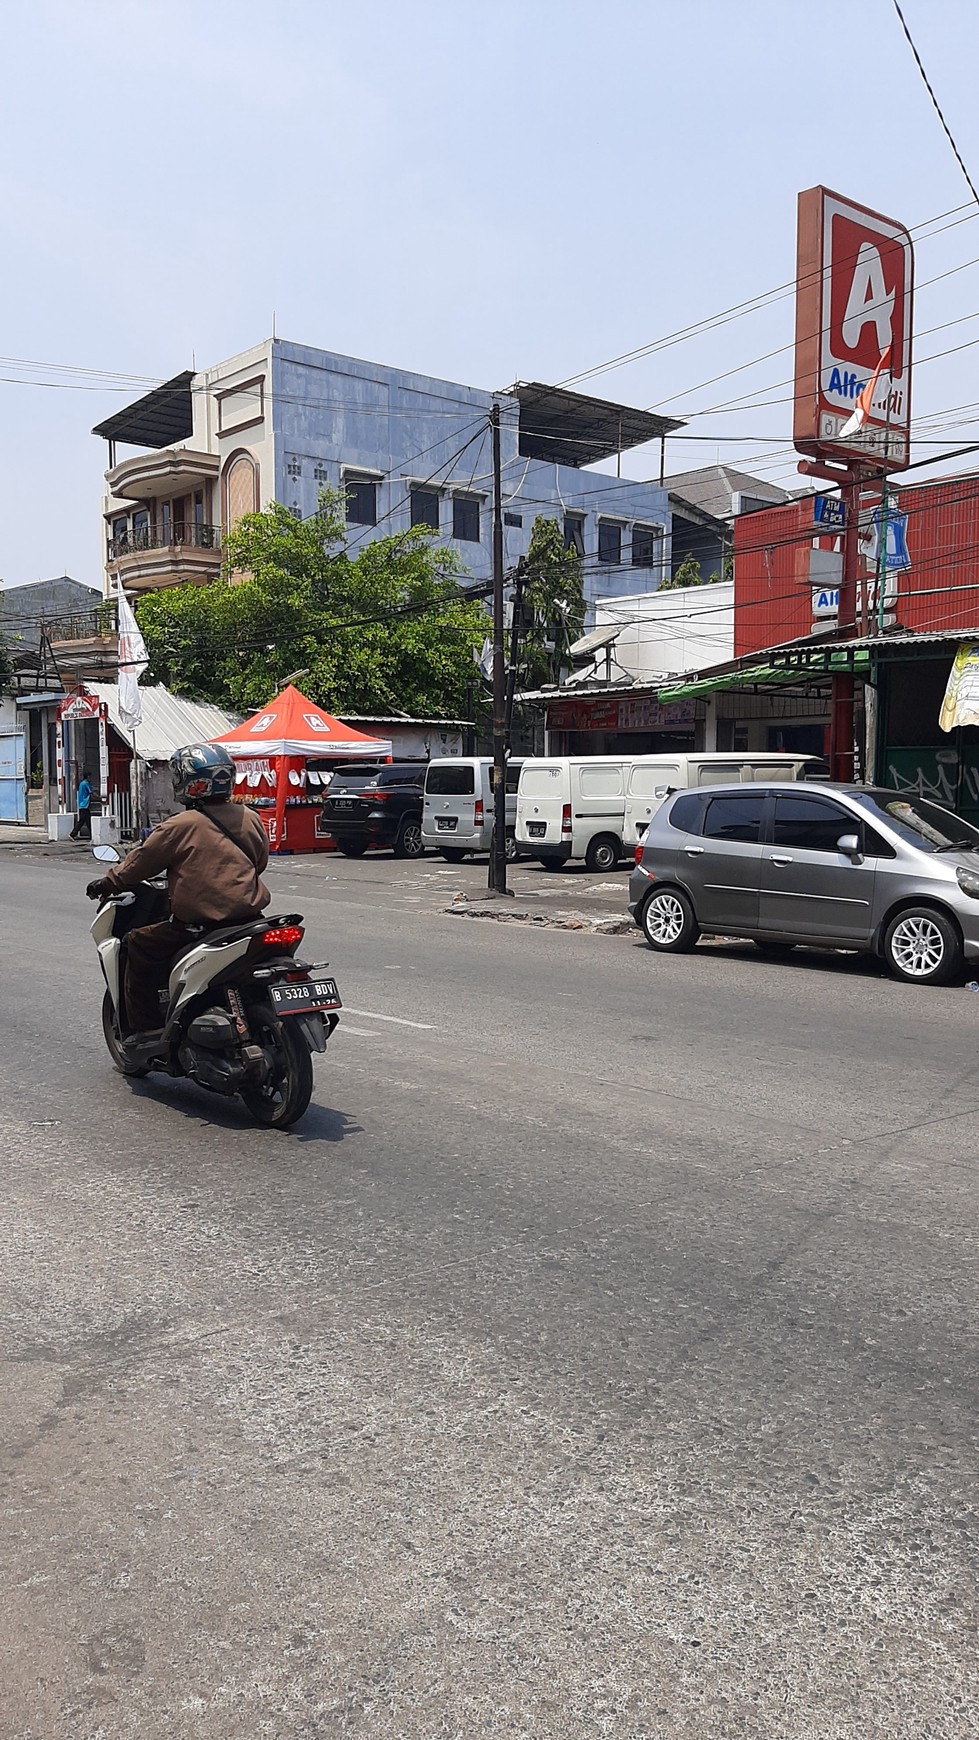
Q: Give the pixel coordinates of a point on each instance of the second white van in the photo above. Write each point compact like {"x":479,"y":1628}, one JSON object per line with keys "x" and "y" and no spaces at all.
{"x":572,"y":807}
{"x":654,"y":777}
{"x":458,"y":810}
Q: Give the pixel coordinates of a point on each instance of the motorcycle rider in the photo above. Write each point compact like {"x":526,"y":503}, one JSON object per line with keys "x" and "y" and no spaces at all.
{"x":213,"y":854}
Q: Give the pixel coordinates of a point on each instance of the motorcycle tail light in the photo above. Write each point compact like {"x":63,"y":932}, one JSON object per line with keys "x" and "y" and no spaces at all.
{"x":284,"y":936}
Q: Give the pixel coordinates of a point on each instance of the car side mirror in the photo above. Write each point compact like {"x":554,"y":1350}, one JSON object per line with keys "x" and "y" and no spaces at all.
{"x":106,"y":854}
{"x":664,"y":791}
{"x":849,"y":845}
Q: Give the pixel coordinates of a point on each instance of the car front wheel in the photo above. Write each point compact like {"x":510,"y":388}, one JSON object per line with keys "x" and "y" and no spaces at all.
{"x":669,"y":923}
{"x":922,"y":946}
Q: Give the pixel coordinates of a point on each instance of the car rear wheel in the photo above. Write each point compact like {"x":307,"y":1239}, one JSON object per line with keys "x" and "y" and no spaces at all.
{"x":408,"y":841}
{"x":922,"y":946}
{"x":603,"y":853}
{"x":669,"y":923}
{"x":453,"y":854}
{"x":510,"y":846}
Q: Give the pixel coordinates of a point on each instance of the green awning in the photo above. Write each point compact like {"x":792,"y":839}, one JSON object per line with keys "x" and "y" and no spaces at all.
{"x":775,"y":676}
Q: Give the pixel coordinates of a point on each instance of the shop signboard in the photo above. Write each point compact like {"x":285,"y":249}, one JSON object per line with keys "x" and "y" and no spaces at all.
{"x":855,"y":273}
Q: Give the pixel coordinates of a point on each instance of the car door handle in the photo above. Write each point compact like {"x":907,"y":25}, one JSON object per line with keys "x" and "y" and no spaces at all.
{"x":780,"y":858}
{"x":694,"y":851}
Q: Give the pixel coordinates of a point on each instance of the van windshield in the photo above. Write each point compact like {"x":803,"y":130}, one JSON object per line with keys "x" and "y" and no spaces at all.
{"x":451,"y":781}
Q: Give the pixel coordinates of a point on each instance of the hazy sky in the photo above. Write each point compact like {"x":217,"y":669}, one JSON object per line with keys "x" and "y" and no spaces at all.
{"x":484,"y":190}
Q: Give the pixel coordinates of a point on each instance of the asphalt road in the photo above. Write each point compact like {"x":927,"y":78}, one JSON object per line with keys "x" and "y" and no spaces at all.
{"x":598,"y":1358}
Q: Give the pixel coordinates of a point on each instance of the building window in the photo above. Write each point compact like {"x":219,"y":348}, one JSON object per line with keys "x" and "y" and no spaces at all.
{"x":465,"y":519}
{"x":574,"y":533}
{"x":609,"y":542}
{"x":361,"y":501}
{"x":166,"y":523}
{"x":513,"y":519}
{"x":647,"y":546}
{"x":119,"y":543}
{"x":425,"y":508}
{"x":141,"y":529}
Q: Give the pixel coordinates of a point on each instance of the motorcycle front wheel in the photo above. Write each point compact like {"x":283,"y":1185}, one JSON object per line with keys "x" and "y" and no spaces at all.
{"x":283,"y":1098}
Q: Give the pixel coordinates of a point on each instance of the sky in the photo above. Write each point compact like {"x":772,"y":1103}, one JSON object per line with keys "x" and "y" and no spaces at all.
{"x":482,"y":190}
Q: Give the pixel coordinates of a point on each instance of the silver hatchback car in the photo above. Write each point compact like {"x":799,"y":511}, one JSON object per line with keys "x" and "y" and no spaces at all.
{"x":838,"y":866}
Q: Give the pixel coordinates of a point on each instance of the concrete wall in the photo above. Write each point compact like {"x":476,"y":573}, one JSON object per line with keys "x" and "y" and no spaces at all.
{"x":664,"y":633}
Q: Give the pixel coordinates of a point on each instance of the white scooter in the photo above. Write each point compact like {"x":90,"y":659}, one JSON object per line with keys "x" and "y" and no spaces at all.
{"x":242,"y":1015}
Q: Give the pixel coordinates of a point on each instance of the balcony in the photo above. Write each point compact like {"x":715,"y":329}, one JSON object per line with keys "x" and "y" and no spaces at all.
{"x":168,"y":472}
{"x":154,"y":556}
{"x":85,"y":646}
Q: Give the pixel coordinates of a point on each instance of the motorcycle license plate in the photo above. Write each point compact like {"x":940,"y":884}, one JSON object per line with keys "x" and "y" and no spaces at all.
{"x":446,"y":824}
{"x":317,"y":994}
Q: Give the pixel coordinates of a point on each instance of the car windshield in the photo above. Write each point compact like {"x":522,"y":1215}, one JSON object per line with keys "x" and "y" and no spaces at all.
{"x":922,"y":824}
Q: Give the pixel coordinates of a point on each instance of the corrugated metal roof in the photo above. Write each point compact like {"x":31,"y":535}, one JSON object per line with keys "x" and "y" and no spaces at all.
{"x":169,"y":721}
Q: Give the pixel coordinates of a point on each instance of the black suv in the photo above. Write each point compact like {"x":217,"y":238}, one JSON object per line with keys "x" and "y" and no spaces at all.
{"x":377,"y":806}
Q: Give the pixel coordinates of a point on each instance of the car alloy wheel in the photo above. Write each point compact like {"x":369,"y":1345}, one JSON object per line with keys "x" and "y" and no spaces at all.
{"x":918,"y":946}
{"x":412,"y":845}
{"x":669,"y":923}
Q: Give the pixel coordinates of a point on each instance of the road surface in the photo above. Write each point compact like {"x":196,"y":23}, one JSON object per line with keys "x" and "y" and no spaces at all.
{"x":597,"y":1358}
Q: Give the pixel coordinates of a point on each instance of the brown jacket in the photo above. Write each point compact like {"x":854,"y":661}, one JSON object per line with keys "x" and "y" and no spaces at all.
{"x":210,"y":879}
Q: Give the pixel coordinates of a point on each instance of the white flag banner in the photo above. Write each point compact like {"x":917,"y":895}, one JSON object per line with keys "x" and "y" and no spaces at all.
{"x":133,"y":660}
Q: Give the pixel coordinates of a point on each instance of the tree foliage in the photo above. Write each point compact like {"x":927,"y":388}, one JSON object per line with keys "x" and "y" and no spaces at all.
{"x":553,"y":599}
{"x":381,"y":630}
{"x":688,"y":574}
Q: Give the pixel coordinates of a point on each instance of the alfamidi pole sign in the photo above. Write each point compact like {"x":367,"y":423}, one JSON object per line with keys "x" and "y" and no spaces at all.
{"x":855,"y":273}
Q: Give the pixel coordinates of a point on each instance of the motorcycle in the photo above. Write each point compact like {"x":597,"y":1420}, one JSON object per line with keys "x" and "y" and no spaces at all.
{"x":242,"y":1016}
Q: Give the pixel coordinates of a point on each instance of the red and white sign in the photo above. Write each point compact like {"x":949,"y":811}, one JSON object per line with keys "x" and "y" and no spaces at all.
{"x":79,"y":706}
{"x":855,"y":272}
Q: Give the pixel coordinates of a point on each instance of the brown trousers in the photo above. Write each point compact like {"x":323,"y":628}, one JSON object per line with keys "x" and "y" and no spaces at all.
{"x":150,"y":954}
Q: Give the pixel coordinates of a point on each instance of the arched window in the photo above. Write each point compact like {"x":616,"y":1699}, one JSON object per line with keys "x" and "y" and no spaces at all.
{"x":240,"y":488}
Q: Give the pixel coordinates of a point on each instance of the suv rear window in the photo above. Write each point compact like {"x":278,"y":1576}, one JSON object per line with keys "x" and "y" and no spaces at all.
{"x":734,"y":818}
{"x":451,"y":781}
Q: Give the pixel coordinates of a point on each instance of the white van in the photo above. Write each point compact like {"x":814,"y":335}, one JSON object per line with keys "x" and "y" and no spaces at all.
{"x":597,"y":807}
{"x":573,"y":807}
{"x":654,"y":777}
{"x":458,"y":811}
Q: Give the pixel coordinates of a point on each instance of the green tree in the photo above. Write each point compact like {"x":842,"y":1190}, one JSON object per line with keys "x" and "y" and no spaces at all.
{"x":687,"y":574}
{"x":554,"y":599}
{"x":387,"y":629}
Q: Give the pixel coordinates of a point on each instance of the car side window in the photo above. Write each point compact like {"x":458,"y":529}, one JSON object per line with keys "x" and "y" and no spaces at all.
{"x":734,"y":818}
{"x":810,"y":824}
{"x":685,"y":813}
{"x":875,"y":845}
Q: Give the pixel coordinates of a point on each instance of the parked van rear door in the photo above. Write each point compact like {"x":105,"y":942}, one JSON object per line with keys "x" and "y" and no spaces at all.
{"x":647,"y":779}
{"x":450,"y":804}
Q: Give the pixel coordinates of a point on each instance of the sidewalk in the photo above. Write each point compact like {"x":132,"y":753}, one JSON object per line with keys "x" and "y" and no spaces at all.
{"x":22,"y":834}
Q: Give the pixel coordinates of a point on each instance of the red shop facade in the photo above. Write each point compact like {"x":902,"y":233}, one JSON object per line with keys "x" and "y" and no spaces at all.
{"x":634,"y":724}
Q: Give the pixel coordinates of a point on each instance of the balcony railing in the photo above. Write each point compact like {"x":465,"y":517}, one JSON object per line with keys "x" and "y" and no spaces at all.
{"x":182,"y":535}
{"x":100,"y":623}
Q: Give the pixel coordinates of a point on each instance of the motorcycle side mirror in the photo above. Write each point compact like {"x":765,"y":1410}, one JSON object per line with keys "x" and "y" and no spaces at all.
{"x":106,"y":854}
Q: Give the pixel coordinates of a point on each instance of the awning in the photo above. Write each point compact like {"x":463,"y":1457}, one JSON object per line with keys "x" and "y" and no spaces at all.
{"x":838,"y":662}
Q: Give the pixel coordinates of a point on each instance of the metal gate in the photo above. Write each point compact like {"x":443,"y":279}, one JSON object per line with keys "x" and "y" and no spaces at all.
{"x":13,"y":796}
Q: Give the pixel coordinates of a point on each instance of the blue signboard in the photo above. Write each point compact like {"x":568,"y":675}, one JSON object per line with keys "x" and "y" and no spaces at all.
{"x":896,"y":558}
{"x":829,"y":511}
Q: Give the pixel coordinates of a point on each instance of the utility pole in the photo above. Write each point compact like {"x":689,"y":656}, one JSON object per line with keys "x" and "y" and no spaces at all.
{"x":841,"y":704}
{"x":496,"y":881}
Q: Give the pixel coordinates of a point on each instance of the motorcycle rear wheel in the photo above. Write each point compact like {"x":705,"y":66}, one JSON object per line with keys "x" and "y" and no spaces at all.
{"x":114,"y":1045}
{"x":279,"y":1102}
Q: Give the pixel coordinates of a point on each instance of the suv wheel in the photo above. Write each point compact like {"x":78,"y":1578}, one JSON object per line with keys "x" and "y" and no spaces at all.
{"x":408,"y":841}
{"x":668,"y":922}
{"x":922,"y":946}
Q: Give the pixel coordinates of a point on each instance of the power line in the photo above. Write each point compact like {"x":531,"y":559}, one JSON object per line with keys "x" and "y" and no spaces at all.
{"x":936,"y":104}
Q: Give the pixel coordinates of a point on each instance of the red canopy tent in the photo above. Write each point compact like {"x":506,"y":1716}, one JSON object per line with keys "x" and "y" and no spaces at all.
{"x":275,"y":743}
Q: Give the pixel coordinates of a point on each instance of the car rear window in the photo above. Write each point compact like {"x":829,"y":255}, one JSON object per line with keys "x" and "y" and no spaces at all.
{"x":451,"y":781}
{"x":734,"y":818}
{"x":685,"y":813}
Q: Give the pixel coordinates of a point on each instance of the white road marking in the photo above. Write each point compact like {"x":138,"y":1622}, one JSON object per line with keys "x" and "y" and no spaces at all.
{"x":361,"y":1032}
{"x":398,"y":1020}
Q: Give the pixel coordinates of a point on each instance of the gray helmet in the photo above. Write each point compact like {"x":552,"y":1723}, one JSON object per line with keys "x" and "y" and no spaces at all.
{"x":202,"y":773}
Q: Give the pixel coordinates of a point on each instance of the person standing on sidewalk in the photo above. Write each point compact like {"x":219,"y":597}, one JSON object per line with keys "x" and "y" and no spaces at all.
{"x":83,"y":820}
